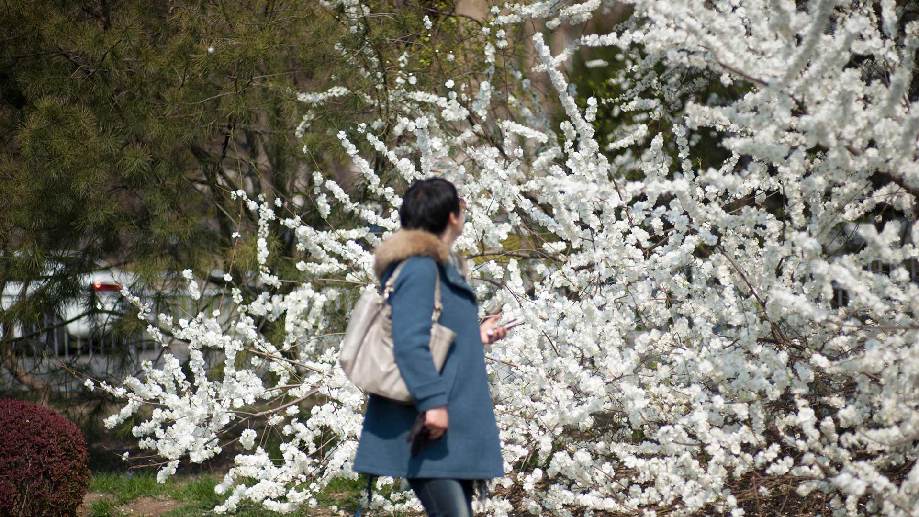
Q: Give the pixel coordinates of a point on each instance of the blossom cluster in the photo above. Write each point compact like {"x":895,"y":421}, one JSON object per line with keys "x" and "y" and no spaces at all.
{"x":700,"y":336}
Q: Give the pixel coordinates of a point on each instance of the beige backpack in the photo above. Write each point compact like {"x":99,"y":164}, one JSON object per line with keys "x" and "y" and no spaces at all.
{"x":366,"y":351}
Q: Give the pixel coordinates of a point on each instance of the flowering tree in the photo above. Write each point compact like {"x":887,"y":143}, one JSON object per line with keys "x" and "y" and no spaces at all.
{"x":727,"y":327}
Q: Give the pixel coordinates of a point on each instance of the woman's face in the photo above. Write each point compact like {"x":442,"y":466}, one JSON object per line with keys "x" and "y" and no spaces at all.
{"x":462,"y":215}
{"x":458,"y":220}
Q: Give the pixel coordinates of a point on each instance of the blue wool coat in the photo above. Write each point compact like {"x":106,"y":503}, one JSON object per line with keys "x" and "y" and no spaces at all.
{"x":470,"y":449}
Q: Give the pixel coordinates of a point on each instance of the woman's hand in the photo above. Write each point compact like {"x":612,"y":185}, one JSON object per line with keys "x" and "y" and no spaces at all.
{"x":436,"y":421}
{"x":491,"y":331}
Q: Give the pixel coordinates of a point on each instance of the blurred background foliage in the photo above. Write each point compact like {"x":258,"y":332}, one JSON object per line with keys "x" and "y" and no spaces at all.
{"x":126,"y":124}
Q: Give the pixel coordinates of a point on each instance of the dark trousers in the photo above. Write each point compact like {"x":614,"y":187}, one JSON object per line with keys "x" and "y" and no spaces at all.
{"x":444,"y":497}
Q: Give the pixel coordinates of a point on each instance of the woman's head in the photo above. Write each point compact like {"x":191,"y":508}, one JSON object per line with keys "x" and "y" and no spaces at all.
{"x":432,"y":205}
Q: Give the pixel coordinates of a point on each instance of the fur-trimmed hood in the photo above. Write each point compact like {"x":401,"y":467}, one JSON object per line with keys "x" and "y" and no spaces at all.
{"x":410,"y":243}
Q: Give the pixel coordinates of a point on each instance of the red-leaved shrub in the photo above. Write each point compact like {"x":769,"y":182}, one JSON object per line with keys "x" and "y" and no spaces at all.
{"x":43,"y":461}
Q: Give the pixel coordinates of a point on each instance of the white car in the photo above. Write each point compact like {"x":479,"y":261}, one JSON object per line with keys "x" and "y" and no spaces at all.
{"x":93,"y":311}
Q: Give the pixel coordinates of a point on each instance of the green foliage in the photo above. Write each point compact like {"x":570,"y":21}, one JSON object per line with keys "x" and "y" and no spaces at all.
{"x":196,"y":494}
{"x":612,"y":123}
{"x":124,"y":487}
{"x":126,"y":133}
{"x":343,"y":492}
{"x":198,"y":490}
{"x":103,"y":508}
{"x":128,"y":125}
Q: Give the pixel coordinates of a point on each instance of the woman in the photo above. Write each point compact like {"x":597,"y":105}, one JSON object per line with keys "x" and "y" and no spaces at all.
{"x":455,"y":404}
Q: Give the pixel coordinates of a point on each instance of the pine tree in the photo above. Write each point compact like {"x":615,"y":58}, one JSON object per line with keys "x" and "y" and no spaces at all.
{"x":126,"y":125}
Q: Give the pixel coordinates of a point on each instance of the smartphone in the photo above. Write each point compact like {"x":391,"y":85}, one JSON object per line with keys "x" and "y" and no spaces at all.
{"x":511,"y":324}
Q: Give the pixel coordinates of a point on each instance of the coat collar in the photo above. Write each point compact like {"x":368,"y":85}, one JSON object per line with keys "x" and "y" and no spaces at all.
{"x":456,"y":277}
{"x":410,"y":243}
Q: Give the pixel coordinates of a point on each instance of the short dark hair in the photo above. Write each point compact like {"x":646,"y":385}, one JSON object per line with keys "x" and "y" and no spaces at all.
{"x":427,"y":205}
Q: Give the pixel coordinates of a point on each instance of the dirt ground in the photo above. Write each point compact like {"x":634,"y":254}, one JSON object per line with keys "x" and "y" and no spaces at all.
{"x":149,"y":506}
{"x":142,"y":506}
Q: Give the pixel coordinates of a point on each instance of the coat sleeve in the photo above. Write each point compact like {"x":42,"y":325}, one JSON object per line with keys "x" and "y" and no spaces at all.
{"x":412,"y":302}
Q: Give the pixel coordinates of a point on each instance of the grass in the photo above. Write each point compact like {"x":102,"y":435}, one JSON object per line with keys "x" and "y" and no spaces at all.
{"x":126,"y":487}
{"x":194,"y":495}
{"x":103,"y":508}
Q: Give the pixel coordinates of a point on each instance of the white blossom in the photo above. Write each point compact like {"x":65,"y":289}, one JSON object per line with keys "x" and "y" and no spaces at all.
{"x":696,"y":314}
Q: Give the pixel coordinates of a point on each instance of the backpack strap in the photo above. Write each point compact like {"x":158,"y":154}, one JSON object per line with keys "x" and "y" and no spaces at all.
{"x":438,"y":303}
{"x":391,"y":282}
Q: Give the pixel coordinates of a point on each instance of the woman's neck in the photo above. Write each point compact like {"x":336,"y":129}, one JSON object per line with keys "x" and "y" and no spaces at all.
{"x":448,"y":237}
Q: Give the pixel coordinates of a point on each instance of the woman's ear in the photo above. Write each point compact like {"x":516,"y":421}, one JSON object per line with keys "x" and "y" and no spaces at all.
{"x":454,"y":218}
